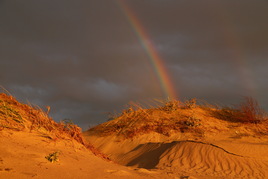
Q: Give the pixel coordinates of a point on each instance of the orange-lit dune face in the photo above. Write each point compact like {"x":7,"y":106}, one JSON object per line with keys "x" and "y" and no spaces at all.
{"x":25,"y":155}
{"x":174,"y":139}
{"x":202,"y":141}
{"x":35,"y":146}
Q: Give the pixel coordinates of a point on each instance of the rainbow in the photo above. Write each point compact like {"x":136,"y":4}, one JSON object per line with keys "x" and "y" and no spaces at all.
{"x":155,"y":58}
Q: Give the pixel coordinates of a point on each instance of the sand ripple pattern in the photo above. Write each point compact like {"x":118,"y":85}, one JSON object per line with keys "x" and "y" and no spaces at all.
{"x":196,"y":157}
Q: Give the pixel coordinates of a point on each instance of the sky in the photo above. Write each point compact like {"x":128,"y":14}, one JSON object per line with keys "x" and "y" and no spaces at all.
{"x":89,"y":58}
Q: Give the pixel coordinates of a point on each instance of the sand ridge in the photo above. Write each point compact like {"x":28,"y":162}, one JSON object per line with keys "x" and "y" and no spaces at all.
{"x":23,"y":156}
{"x":202,"y":158}
{"x":170,"y":142}
{"x":33,"y":145}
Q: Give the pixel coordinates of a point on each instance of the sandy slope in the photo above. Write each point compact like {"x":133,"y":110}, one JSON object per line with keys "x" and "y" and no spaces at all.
{"x":22,"y":155}
{"x":169,"y":142}
{"x":28,"y":136}
{"x":206,"y":158}
{"x":188,"y":140}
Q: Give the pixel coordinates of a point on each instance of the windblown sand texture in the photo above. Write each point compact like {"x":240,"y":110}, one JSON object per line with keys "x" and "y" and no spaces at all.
{"x":28,"y":136}
{"x":186,"y":141}
{"x":173,"y":141}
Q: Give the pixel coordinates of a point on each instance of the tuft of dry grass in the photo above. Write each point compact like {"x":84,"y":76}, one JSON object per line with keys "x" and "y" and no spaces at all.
{"x":18,"y":116}
{"x":190,"y":104}
{"x":251,"y":111}
{"x":181,"y":117}
{"x":170,"y":106}
{"x":53,"y":157}
{"x":248,"y":111}
{"x":168,"y":117}
{"x":22,"y":117}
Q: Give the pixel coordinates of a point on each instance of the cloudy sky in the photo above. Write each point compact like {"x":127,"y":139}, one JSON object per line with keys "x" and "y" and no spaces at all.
{"x":84,"y":58}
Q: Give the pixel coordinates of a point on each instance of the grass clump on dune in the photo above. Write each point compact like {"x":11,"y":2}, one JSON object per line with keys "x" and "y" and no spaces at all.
{"x":248,"y":111}
{"x":53,"y":157}
{"x":174,"y":116}
{"x":165,"y":118}
{"x":22,"y":117}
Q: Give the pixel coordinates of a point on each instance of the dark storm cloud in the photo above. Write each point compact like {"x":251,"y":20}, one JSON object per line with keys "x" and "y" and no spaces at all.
{"x":84,"y":59}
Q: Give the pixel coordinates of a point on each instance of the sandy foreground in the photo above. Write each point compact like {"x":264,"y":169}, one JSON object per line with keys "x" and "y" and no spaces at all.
{"x":33,"y":145}
{"x":22,"y":155}
{"x":189,"y":141}
{"x":217,"y":156}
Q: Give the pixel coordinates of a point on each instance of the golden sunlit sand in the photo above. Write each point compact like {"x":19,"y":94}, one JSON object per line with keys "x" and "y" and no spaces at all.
{"x":175,"y":140}
{"x":188,"y":140}
{"x":34,"y":146}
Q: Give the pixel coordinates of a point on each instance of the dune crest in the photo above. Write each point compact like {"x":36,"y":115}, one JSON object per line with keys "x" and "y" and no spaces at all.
{"x":32,"y":145}
{"x":198,"y":141}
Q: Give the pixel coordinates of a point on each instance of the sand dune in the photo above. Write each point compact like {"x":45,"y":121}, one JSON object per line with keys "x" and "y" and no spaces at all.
{"x":195,"y":158}
{"x":22,"y":155}
{"x":247,"y":149}
{"x":32,"y":145}
{"x":199,"y":159}
{"x":169,"y":142}
{"x":202,"y":142}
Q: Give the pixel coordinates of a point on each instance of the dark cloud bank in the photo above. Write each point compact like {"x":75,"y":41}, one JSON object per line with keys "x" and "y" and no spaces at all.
{"x":83,"y":58}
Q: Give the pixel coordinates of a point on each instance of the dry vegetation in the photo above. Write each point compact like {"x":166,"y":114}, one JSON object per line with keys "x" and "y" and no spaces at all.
{"x":174,"y":116}
{"x":247,"y":112}
{"x":166,"y":118}
{"x":22,"y":117}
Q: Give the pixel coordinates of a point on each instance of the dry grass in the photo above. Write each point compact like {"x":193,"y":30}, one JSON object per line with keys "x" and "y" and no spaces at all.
{"x":53,"y":157}
{"x":251,"y":111}
{"x":248,"y":111}
{"x":168,"y":117}
{"x":17,"y":116}
{"x":181,"y":117}
{"x":22,"y":117}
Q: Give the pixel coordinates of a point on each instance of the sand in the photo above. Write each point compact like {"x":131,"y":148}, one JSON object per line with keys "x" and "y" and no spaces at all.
{"x":185,"y":139}
{"x":170,"y":142}
{"x":22,"y":155}
{"x":33,"y":145}
{"x":213,"y":157}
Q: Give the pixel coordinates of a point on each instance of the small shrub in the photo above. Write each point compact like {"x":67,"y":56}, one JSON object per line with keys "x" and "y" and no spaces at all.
{"x":72,"y":130}
{"x":251,"y":111}
{"x":247,"y":112}
{"x":171,"y":105}
{"x":53,"y":157}
{"x":190,"y":104}
{"x":227,"y":114}
{"x":129,"y":110}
